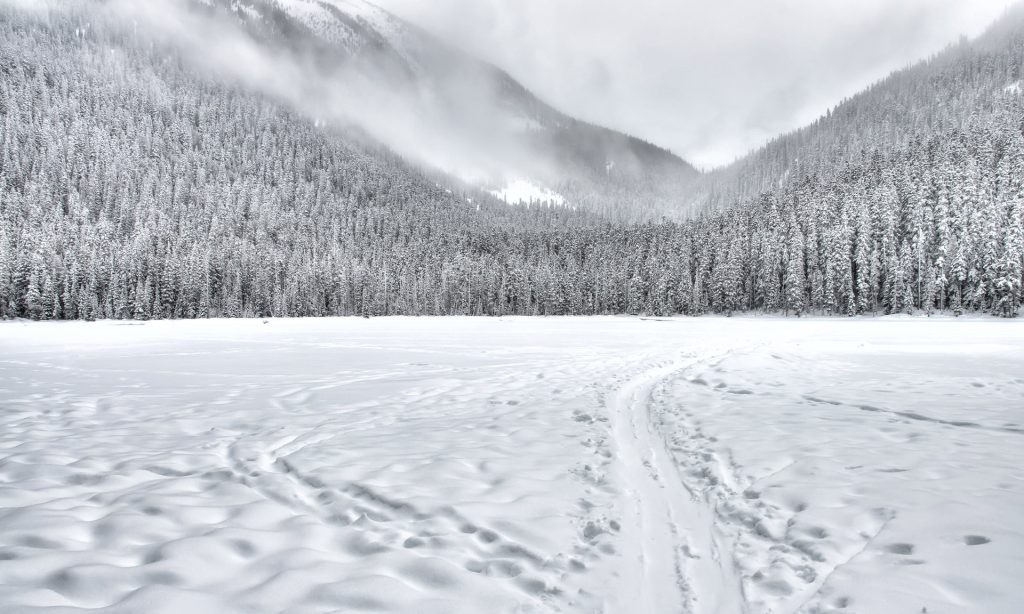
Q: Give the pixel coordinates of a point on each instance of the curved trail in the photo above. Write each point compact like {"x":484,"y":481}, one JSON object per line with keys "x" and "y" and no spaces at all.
{"x":675,"y":560}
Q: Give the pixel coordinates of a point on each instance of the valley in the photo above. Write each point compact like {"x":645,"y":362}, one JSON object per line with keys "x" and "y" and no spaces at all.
{"x":306,"y":307}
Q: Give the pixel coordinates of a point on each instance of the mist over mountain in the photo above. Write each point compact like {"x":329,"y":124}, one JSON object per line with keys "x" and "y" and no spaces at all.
{"x":350,"y":63}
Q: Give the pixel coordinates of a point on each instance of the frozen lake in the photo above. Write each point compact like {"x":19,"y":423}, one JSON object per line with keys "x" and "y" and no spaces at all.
{"x":421,"y":465}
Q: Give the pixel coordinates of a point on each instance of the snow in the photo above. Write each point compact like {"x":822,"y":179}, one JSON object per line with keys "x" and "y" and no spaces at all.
{"x":1013,"y":88}
{"x":319,"y":19}
{"x":512,"y":465}
{"x":247,"y":9}
{"x":370,"y":13}
{"x":522,"y":191}
{"x":316,"y":15}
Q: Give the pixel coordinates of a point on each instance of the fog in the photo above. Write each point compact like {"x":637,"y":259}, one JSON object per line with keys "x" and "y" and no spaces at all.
{"x":368,"y":94}
{"x":708,"y":79}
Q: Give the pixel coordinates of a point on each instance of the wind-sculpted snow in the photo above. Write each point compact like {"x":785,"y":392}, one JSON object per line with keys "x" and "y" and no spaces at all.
{"x":612,"y":465}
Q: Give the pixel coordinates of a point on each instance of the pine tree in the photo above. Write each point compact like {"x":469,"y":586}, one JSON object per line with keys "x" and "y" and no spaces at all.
{"x":48,"y":303}
{"x":33,"y":296}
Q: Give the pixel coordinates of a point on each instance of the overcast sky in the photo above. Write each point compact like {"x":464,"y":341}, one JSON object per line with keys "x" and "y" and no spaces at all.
{"x":709,"y":79}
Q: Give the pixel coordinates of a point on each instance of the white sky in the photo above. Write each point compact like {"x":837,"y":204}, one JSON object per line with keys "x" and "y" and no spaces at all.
{"x":709,"y":79}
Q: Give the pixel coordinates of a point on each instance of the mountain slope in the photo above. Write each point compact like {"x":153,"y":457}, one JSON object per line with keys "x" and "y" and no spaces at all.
{"x":968,"y":80}
{"x":135,"y":183}
{"x":489,"y":128}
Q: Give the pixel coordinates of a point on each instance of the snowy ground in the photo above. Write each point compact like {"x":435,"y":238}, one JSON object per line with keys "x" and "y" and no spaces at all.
{"x":521,"y":191}
{"x":426,"y":465}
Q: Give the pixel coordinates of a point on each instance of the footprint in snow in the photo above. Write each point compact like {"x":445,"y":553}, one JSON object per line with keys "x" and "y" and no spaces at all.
{"x":900,"y":549}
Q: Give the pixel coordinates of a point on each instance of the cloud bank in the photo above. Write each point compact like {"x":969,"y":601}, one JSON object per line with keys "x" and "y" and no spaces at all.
{"x":367,"y":92}
{"x":709,"y":79}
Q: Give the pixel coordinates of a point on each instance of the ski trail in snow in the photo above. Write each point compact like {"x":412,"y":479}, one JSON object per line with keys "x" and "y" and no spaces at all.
{"x":675,"y":560}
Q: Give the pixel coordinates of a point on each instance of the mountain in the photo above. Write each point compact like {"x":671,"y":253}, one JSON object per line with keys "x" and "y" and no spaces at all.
{"x":227,"y":161}
{"x":966,"y":83}
{"x":482,"y":125}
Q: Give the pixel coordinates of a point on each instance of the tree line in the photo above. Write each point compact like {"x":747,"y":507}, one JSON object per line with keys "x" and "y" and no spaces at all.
{"x":133,"y":188}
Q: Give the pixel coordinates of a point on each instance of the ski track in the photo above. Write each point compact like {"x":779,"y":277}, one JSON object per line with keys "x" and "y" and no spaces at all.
{"x":755,"y":567}
{"x":677,"y":562}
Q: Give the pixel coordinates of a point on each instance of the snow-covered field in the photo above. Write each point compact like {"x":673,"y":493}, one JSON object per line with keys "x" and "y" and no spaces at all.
{"x":611,"y":465}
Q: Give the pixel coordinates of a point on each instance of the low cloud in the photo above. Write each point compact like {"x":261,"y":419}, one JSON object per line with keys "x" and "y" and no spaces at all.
{"x":711,"y":80}
{"x":415,"y":120}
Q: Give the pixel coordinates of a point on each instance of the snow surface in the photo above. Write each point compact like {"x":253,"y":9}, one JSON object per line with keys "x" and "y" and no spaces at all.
{"x":316,"y":15}
{"x":1013,"y":88}
{"x":320,"y":20}
{"x":521,"y":191}
{"x":418,"y":465}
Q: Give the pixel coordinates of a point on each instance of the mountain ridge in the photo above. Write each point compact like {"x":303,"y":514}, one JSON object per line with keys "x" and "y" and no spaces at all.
{"x":884,"y":111}
{"x":526,"y":135}
{"x":136,"y":184}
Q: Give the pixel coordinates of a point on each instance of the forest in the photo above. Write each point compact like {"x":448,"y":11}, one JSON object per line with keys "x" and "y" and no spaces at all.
{"x":132,"y":187}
